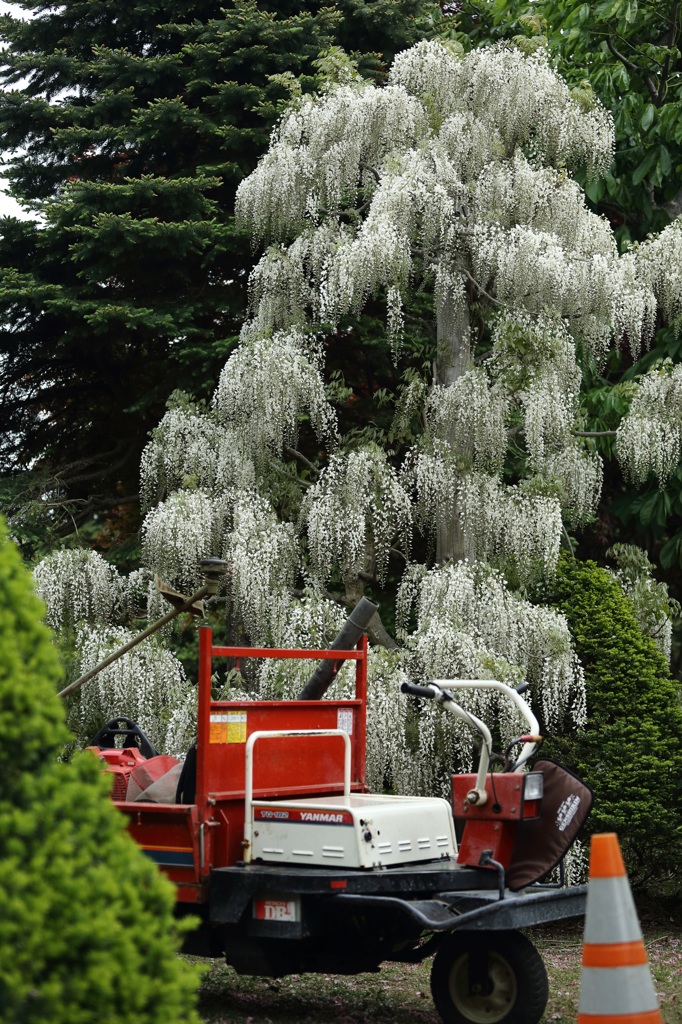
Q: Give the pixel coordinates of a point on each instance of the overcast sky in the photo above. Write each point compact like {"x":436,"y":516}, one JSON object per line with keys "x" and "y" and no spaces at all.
{"x":8,"y":207}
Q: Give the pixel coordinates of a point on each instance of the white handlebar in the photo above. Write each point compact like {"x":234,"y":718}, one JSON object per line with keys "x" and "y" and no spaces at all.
{"x":440,"y":686}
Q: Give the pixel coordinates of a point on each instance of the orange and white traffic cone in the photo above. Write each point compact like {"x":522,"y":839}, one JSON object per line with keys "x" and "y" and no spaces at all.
{"x":616,"y":986}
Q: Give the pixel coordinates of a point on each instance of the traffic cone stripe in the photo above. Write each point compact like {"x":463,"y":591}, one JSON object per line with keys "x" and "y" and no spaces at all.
{"x":650,"y":1017}
{"x":616,"y":986}
{"x":614,"y":954}
{"x":617,"y":990}
{"x":606,"y":860}
{"x":611,"y":913}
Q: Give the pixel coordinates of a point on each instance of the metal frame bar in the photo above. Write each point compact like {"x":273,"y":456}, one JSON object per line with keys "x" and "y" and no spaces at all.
{"x":248,"y":780}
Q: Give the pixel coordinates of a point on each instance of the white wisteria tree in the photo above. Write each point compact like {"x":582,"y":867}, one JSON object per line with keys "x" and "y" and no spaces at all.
{"x":446,"y":199}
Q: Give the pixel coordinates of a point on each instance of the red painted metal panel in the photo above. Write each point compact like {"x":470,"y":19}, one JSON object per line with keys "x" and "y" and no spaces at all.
{"x":187,"y":841}
{"x":169,"y":835}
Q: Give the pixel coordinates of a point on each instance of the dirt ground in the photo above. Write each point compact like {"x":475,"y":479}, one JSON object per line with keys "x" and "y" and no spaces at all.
{"x":400,"y":993}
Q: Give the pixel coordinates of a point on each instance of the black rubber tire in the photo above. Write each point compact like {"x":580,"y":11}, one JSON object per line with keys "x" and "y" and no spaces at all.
{"x":516,"y":991}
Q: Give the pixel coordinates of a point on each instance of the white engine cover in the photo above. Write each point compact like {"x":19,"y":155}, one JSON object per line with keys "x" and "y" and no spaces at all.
{"x":356,"y":831}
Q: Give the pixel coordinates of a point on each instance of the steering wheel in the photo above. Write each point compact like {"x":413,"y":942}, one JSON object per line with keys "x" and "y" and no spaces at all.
{"x":106,"y":737}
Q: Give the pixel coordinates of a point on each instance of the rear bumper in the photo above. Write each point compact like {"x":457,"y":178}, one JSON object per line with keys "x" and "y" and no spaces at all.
{"x":436,"y":897}
{"x":479,"y":911}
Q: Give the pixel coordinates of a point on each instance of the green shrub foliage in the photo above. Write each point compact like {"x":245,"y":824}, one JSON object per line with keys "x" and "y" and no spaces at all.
{"x":86,"y":926}
{"x":631,"y":750}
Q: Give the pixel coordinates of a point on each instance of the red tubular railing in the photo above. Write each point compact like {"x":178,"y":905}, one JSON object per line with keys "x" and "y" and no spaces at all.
{"x":206,"y":654}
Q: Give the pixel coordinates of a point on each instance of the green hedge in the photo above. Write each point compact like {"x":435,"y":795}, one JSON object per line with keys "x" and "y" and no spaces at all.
{"x":631,"y":750}
{"x":86,"y":922}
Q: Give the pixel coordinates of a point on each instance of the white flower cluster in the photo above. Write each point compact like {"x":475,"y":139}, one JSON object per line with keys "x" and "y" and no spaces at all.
{"x":264,"y":388}
{"x":509,"y":528}
{"x":263,"y":557}
{"x":357,"y":500}
{"x":287,"y":282}
{"x":326,"y":149}
{"x":549,"y":414}
{"x":430,"y":475}
{"x":650,"y":600}
{"x":78,"y":585}
{"x":578,"y":473}
{"x":183,"y":529}
{"x":650,"y":437}
{"x":659,"y":262}
{"x":147,"y":684}
{"x":470,"y":626}
{"x":525,"y":345}
{"x":189,"y":449}
{"x":520,"y":96}
{"x":470,"y":416}
{"x":391,"y":761}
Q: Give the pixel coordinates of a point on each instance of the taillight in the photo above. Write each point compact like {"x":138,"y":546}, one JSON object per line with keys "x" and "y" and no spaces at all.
{"x":533,"y":790}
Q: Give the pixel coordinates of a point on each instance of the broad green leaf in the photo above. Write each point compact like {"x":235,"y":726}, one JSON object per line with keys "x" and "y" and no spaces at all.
{"x":645,"y":166}
{"x":647,"y":118}
{"x":671,"y":552}
{"x":595,"y":190}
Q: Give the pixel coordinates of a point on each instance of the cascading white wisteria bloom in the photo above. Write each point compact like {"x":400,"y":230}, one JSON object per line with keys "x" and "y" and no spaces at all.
{"x":578,"y":474}
{"x":509,"y":528}
{"x":650,"y":599}
{"x":285,"y":286}
{"x":518,"y":95}
{"x":183,"y":529}
{"x":78,"y":585}
{"x":322,"y":153}
{"x":264,"y":388}
{"x":430,"y":475}
{"x":190,"y":449}
{"x":650,"y":437}
{"x":550,"y":410}
{"x":470,"y":415}
{"x":659,"y":262}
{"x":147,"y":684}
{"x":357,"y":501}
{"x":263,"y":556}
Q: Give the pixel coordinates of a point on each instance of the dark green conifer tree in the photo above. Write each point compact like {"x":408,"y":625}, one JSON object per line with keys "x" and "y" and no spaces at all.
{"x":87,"y":930}
{"x":128,"y":128}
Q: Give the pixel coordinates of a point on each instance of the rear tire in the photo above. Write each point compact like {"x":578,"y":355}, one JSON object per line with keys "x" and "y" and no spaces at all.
{"x":510,"y":986}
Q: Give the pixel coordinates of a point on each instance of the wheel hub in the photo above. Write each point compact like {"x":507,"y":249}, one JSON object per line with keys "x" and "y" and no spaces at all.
{"x":483,"y":1003}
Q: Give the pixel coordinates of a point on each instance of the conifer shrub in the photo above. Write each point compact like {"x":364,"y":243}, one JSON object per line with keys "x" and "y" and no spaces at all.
{"x":630,"y":752}
{"x":86,"y":926}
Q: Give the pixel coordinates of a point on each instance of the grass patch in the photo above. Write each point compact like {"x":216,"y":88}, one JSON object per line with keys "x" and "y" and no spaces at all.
{"x":401,"y":994}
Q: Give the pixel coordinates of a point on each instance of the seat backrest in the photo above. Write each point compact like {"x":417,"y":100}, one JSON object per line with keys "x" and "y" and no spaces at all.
{"x":187,"y":784}
{"x":541,"y":843}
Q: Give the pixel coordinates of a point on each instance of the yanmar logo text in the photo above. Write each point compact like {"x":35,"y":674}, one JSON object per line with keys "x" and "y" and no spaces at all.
{"x":325,"y":816}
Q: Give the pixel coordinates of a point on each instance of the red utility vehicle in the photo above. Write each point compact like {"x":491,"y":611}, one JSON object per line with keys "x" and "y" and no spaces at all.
{"x":270,"y":836}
